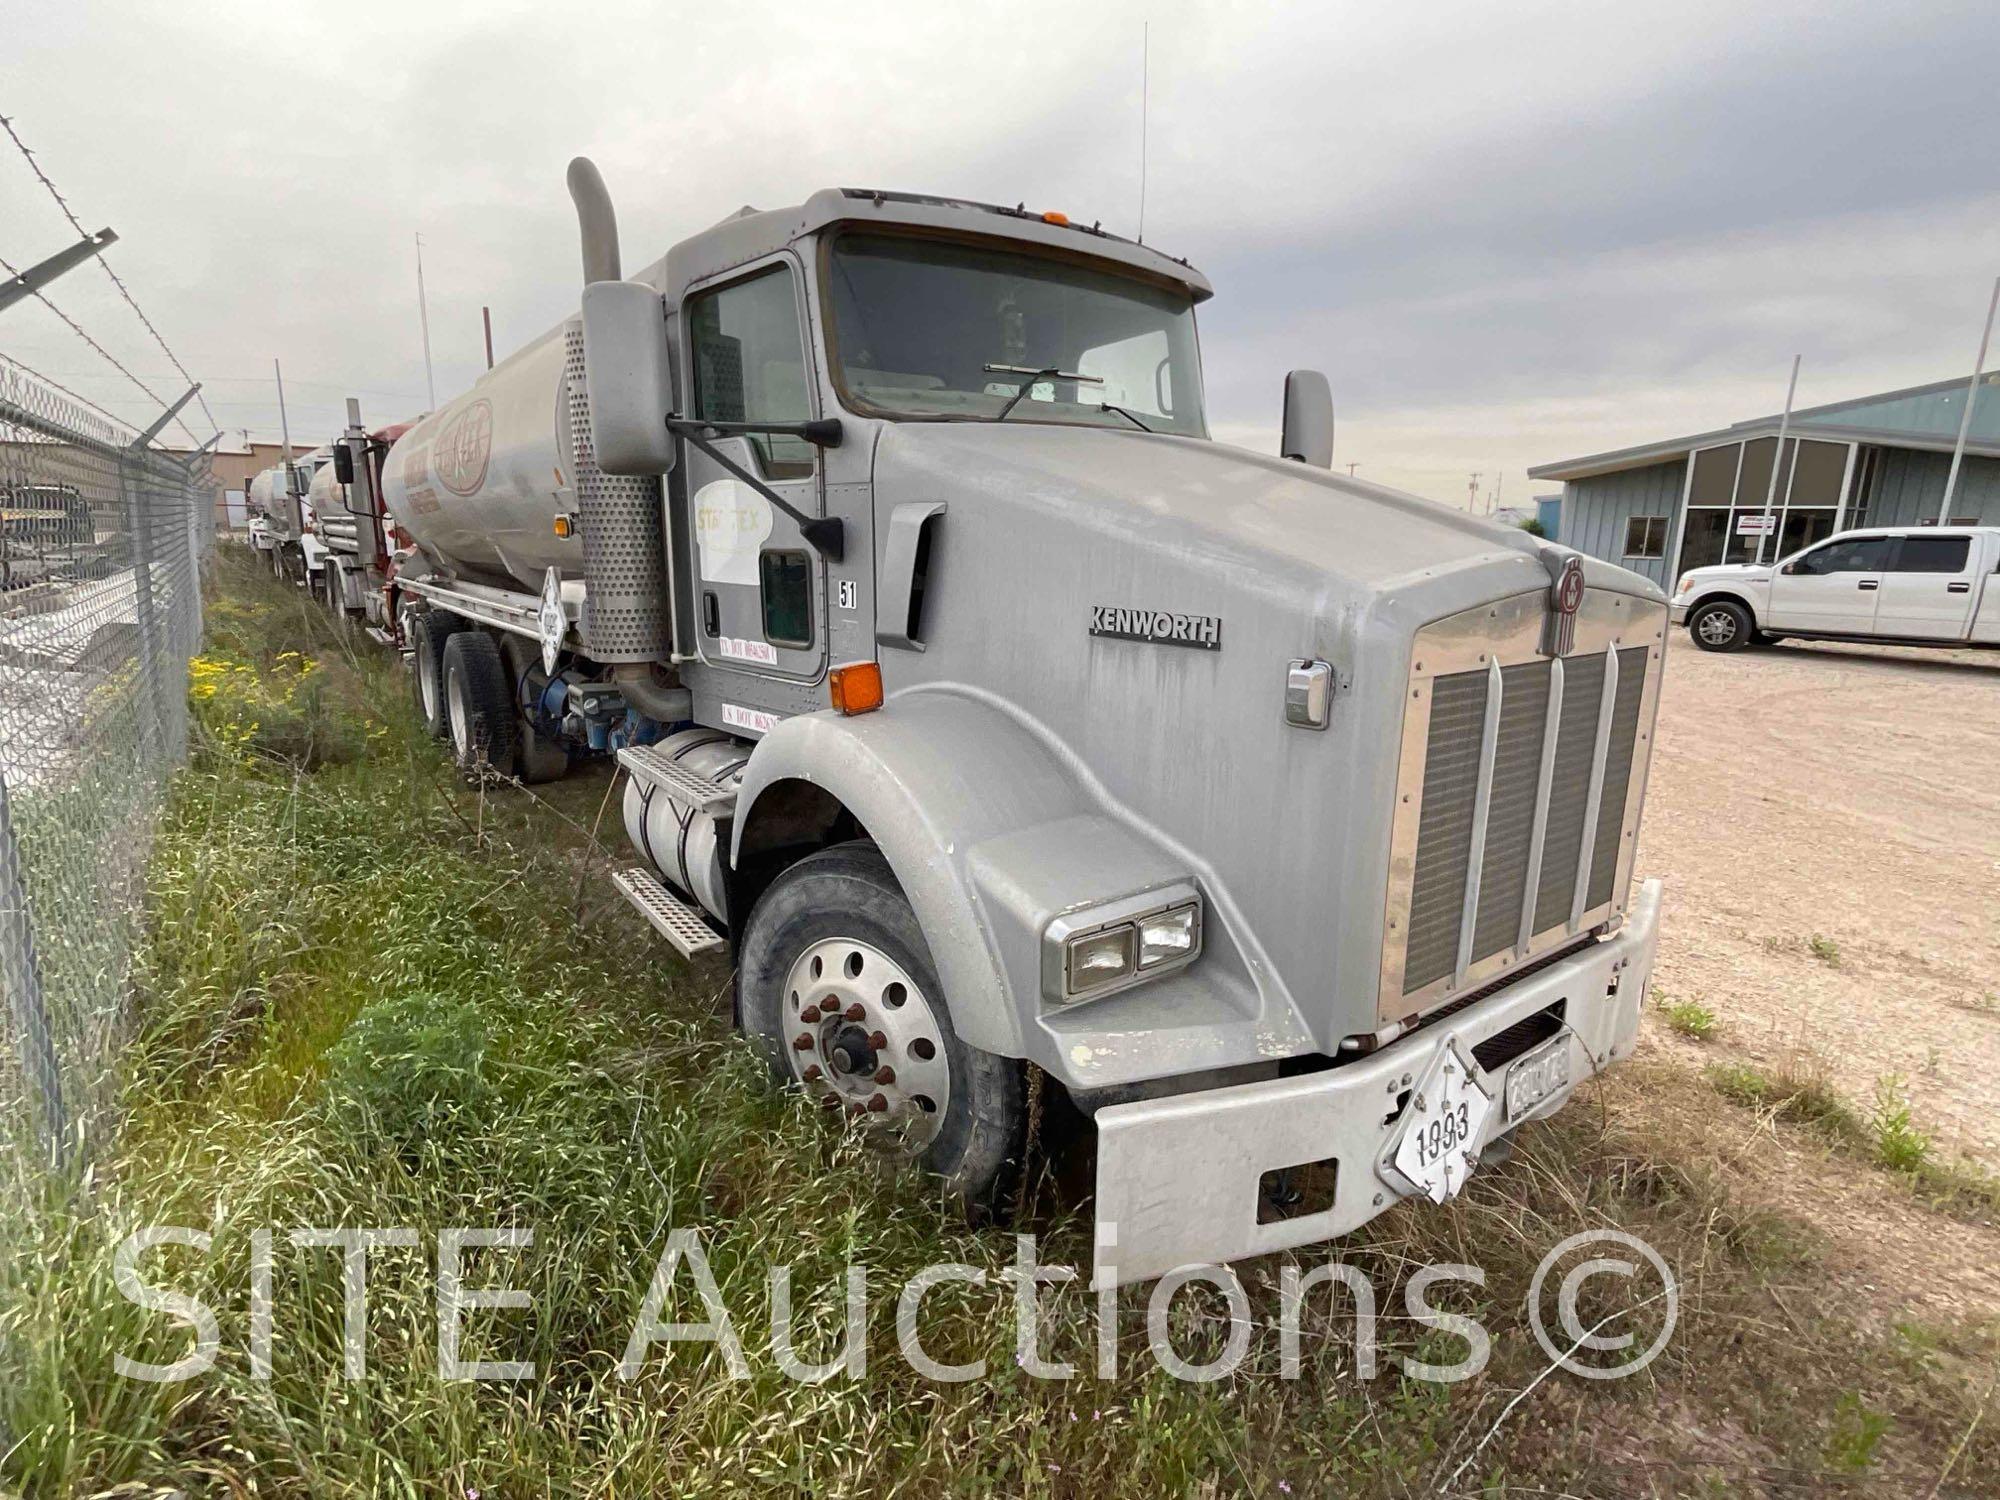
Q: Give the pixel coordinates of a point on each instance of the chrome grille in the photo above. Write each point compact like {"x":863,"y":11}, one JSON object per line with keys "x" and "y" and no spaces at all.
{"x":1522,"y":777}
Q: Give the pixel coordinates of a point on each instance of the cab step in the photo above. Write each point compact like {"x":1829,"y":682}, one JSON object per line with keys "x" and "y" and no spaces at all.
{"x":381,"y":637}
{"x":684,"y":927}
{"x":647,"y":764}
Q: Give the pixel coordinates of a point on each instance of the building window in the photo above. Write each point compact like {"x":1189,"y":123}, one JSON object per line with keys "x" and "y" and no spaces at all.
{"x":1646,"y":536}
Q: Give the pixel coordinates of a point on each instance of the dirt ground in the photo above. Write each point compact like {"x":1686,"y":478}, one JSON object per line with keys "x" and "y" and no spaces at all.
{"x":1849,"y":794}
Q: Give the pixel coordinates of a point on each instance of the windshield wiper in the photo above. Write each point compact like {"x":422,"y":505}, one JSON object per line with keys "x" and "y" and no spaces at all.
{"x":1107,"y":406}
{"x":1047,"y":372}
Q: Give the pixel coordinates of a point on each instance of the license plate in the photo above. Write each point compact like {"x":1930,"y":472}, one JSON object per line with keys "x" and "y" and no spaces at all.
{"x":1533,"y":1078}
{"x":1443,"y":1128}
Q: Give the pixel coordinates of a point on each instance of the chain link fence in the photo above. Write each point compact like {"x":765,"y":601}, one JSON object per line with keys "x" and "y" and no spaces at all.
{"x":101,"y":544}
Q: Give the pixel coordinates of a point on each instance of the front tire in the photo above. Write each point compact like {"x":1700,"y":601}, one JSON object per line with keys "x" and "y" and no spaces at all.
{"x":837,"y":983}
{"x":1723,"y":625}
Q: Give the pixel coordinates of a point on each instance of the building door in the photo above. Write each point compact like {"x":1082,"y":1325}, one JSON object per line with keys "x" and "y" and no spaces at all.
{"x":1927,"y":590}
{"x":1832,"y":589}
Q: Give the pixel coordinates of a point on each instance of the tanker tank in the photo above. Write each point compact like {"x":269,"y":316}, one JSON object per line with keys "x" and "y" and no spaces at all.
{"x":478,"y":484}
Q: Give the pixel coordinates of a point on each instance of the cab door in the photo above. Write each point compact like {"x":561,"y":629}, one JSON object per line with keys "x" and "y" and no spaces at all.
{"x":759,"y":587}
{"x":1832,"y":589}
{"x":1927,"y":591}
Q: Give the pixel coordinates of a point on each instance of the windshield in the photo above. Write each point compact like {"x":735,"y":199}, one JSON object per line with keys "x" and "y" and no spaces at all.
{"x":935,"y":328}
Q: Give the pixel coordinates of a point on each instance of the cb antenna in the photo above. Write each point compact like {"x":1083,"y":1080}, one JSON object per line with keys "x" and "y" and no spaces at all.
{"x":1145,"y":80}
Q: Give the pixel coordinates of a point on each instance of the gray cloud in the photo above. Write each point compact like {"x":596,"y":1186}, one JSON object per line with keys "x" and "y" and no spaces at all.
{"x":1508,"y":233}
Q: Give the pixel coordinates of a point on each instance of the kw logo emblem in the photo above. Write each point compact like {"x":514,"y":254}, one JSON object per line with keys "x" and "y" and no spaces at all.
{"x":1565,"y":599}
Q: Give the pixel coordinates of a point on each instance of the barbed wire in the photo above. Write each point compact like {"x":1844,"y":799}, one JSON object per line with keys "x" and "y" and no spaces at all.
{"x":116,"y":280}
{"x":56,"y":385}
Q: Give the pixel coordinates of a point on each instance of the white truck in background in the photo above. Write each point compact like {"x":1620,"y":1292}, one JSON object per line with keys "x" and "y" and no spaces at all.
{"x":1900,"y":585}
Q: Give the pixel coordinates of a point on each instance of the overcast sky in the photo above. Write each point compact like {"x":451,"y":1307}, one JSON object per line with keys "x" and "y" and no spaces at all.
{"x":1508,"y":233}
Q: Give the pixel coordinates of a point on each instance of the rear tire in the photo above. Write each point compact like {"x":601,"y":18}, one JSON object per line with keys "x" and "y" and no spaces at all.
{"x":1721,"y":626}
{"x":845,"y":902}
{"x":429,"y":631}
{"x":479,"y":704}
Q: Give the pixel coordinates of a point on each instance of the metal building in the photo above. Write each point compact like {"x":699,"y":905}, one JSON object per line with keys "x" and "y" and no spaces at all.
{"x":1662,"y":508}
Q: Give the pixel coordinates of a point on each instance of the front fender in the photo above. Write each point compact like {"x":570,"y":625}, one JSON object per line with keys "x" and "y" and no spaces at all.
{"x":992,"y":832}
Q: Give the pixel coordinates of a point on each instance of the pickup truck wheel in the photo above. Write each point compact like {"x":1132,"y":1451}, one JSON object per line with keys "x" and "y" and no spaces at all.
{"x":478,"y":704}
{"x":1721,"y":626}
{"x":428,"y":633}
{"x":837,"y":983}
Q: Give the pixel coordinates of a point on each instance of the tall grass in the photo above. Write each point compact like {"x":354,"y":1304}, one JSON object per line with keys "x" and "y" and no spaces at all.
{"x":367,"y":1001}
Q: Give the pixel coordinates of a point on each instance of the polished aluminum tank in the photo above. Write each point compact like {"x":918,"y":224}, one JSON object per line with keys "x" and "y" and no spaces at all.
{"x":478,"y":483}
{"x":269,"y":497}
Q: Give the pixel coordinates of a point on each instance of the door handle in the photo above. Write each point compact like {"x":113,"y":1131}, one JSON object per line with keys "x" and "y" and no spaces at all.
{"x":1869,"y":583}
{"x":1958,"y":588}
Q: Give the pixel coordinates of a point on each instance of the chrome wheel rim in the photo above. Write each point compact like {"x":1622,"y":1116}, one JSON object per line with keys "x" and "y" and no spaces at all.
{"x":461,"y":718}
{"x":1718,"y":627}
{"x":427,"y":684}
{"x":863,"y":1038}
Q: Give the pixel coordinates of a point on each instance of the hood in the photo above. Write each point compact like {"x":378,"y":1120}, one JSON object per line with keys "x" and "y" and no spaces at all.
{"x":1046,"y":528}
{"x":1237,"y":507}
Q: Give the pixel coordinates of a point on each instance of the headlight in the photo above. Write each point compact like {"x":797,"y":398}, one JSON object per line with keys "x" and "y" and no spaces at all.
{"x":1682,"y":587}
{"x":1102,"y":949}
{"x":1169,"y":935}
{"x":1101,"y":958}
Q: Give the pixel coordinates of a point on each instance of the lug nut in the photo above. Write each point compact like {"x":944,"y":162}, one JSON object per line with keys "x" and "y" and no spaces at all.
{"x":803,"y":1042}
{"x":854,"y":1109}
{"x":810,"y":1014}
{"x":812,"y":1073}
{"x":878,"y":1041}
{"x":877,"y":1104}
{"x":885,"y":1074}
{"x":829,"y":1101}
{"x":855,"y":1012}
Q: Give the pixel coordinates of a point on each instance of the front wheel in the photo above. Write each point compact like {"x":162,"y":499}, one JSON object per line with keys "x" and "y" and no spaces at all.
{"x":838,"y":985}
{"x":1721,"y":626}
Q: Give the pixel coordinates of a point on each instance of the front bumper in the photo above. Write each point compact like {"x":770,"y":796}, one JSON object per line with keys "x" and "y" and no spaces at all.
{"x":1179,"y":1179}
{"x":1677,"y":614}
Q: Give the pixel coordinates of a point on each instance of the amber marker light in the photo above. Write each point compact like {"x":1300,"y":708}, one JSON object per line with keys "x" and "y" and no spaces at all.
{"x":855,"y":688}
{"x":1052,"y":217}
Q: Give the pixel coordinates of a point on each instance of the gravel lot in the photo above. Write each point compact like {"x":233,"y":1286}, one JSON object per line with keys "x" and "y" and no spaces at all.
{"x":1852,"y":794}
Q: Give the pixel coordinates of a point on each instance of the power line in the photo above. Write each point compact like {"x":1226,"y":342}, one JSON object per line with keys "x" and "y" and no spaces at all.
{"x":116,"y":280}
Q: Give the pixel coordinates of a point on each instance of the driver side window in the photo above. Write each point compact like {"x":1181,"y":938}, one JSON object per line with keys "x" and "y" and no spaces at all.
{"x":750,"y":366}
{"x":1866,"y":554}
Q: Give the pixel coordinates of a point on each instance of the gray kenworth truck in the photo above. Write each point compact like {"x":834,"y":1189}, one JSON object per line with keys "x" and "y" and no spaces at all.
{"x":999,"y":720}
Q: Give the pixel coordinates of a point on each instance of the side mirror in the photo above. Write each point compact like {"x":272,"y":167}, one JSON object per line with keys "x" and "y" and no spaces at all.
{"x":628,"y":377}
{"x":1308,"y":434}
{"x":343,"y":463}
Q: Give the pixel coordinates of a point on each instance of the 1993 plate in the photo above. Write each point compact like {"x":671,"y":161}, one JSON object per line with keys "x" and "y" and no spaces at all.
{"x":1532,"y":1078}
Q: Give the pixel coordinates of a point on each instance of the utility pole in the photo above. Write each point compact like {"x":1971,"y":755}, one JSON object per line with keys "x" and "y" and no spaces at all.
{"x":1472,"y":494}
{"x":284,"y":427}
{"x":424,"y":319}
{"x":486,"y":317}
{"x":1965,"y":417}
{"x":1351,"y":468}
{"x":1145,"y":91}
{"x":1777,"y":461}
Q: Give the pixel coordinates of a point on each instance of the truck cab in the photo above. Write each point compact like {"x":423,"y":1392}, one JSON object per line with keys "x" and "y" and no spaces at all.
{"x":1920,"y":586}
{"x":1013,"y":734}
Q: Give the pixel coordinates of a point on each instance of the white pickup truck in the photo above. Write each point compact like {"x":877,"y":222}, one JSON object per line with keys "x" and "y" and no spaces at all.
{"x":1914,"y":586}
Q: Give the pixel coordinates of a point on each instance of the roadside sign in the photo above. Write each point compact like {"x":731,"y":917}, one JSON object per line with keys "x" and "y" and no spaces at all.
{"x":1756,"y":524}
